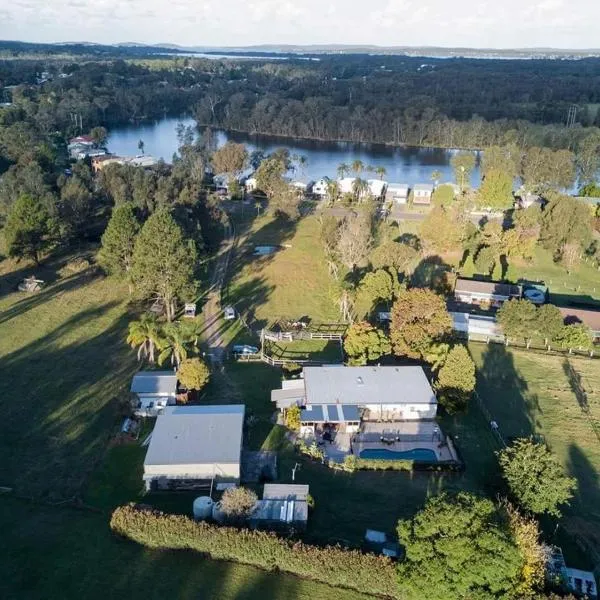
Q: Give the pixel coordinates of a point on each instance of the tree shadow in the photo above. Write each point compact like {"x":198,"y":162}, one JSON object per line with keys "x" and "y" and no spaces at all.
{"x":60,"y":402}
{"x":411,"y":240}
{"x":434,"y":273}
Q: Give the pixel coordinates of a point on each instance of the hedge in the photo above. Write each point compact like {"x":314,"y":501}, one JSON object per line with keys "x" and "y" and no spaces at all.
{"x":333,"y":565}
{"x":354,"y":463}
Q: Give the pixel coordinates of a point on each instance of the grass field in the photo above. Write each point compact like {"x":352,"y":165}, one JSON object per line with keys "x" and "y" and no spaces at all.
{"x":291,"y":283}
{"x":328,"y":351}
{"x":559,"y":399}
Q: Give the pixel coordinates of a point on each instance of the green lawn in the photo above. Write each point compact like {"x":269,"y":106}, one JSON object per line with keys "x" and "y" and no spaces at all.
{"x":328,"y":351}
{"x":558,"y":398}
{"x":291,"y":283}
{"x":65,"y":553}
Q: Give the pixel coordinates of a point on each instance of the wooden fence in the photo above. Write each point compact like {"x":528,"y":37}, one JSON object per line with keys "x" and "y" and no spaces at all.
{"x":292,"y":336}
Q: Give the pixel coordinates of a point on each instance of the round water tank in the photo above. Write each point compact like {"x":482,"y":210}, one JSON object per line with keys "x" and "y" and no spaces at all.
{"x":217,"y":514}
{"x":203,"y":508}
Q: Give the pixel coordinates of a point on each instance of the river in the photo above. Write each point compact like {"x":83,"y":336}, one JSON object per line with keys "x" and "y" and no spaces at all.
{"x":405,"y":164}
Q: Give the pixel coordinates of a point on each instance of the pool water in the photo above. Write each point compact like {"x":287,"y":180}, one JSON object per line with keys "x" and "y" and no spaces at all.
{"x":418,"y":454}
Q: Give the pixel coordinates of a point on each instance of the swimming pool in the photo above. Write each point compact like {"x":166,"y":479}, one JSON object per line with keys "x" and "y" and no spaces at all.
{"x":416,"y":454}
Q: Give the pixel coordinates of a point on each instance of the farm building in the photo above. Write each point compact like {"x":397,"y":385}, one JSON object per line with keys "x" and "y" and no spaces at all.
{"x":154,"y":390}
{"x":191,"y":445}
{"x":493,"y":293}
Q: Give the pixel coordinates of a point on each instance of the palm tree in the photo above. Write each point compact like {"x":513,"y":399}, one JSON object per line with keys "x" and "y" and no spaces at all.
{"x":333,"y":190}
{"x":359,"y":187}
{"x":176,"y":344}
{"x":145,"y":335}
{"x":358,"y":166}
{"x":436,"y":176}
{"x":343,"y":170}
{"x":141,"y":146}
{"x":381,"y":172}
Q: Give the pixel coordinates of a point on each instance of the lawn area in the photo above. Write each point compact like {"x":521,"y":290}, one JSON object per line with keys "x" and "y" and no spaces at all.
{"x":65,"y":369}
{"x":558,"y":398}
{"x":328,"y":351}
{"x":291,"y":283}
{"x":65,"y":553}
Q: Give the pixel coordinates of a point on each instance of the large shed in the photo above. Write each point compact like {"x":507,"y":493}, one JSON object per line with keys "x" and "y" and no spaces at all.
{"x":195,"y":444}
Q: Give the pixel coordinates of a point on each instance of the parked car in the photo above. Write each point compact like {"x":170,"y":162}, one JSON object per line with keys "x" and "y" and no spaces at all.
{"x":229,"y":313}
{"x":245,"y":349}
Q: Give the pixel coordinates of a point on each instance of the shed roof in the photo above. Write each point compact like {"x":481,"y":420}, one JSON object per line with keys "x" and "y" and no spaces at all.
{"x":197,"y":435}
{"x":154,"y":382}
{"x":423,"y":187}
{"x":487,"y":287}
{"x":285,"y":491}
{"x":591,"y":318}
{"x":367,"y":385}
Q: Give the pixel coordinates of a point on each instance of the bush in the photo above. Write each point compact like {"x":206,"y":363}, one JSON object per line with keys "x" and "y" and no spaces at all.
{"x":292,"y":418}
{"x":354,"y":463}
{"x":237,"y":504}
{"x":365,"y":573}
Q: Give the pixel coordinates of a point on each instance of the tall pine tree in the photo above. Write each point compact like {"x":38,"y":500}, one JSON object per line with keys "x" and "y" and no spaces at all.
{"x":118,"y":241}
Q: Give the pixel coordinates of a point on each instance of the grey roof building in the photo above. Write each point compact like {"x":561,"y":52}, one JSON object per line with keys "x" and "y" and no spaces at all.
{"x":155,"y":383}
{"x":282,"y":505}
{"x":339,"y":394}
{"x":195,"y":443}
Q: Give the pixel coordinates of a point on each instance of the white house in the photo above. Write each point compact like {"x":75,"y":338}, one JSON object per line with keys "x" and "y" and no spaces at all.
{"x":155,"y":390}
{"x":472,"y":291}
{"x":320,"y":188}
{"x":377,"y":188}
{"x":422,"y":193}
{"x":192,"y":445}
{"x":347,"y":396}
{"x":397,"y":192}
{"x":251,"y":184}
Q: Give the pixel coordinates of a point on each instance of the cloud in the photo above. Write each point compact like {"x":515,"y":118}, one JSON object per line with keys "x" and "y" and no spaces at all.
{"x":486,"y":23}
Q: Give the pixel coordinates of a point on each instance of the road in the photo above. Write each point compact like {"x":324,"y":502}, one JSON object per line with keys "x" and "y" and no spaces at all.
{"x":403,"y":215}
{"x":212,"y":311}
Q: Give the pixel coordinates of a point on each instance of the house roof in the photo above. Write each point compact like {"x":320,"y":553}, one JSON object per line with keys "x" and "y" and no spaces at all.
{"x":197,"y":435}
{"x":367,"y":385}
{"x":397,"y":187}
{"x":154,"y":382}
{"x":330,"y":413}
{"x":287,"y":396}
{"x":285,"y":491}
{"x":423,"y":187}
{"x":487,"y":287}
{"x":591,"y":318}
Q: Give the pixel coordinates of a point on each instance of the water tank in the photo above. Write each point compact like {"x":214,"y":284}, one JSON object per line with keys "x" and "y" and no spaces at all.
{"x":217,"y":514}
{"x":203,"y":508}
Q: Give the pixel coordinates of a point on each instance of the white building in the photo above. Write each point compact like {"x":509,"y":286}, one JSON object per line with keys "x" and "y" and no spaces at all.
{"x":192,"y":445}
{"x":397,"y":192}
{"x":422,"y":193}
{"x":377,"y":188}
{"x":348,"y":395}
{"x":321,"y":187}
{"x":155,"y":390}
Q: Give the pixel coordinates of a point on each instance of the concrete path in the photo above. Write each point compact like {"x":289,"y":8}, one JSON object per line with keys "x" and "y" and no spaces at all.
{"x":212,"y":310}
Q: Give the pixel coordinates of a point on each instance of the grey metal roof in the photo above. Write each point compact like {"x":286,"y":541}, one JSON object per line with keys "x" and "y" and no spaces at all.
{"x":287,"y":397}
{"x":285,"y":491}
{"x":367,"y":385}
{"x":197,"y":435}
{"x":154,"y":382}
{"x":423,"y":187}
{"x":290,"y":511}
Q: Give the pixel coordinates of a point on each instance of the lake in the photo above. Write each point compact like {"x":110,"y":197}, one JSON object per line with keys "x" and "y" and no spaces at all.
{"x":403,"y":164}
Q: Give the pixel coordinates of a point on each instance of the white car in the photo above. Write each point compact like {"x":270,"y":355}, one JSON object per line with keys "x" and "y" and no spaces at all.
{"x":229,"y":313}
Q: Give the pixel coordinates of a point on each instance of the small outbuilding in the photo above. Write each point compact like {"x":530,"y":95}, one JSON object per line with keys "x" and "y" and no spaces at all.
{"x":422,"y":193}
{"x":192,"y":446}
{"x":282,"y":505}
{"x":154,"y":390}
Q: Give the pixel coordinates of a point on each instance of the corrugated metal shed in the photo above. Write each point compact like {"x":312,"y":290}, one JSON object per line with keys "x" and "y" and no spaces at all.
{"x":154,"y":382}
{"x":191,"y":435}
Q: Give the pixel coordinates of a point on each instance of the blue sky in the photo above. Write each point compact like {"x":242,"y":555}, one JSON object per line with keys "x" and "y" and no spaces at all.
{"x":467,"y":23}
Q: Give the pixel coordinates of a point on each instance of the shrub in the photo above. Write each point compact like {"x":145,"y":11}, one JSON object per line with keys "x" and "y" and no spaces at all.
{"x":313,"y":450}
{"x":354,"y":463}
{"x":237,"y":503}
{"x":193,"y":374}
{"x":365,"y":573}
{"x":292,"y":418}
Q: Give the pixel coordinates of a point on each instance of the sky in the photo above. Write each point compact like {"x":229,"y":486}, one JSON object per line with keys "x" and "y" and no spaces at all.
{"x":450,"y":23}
